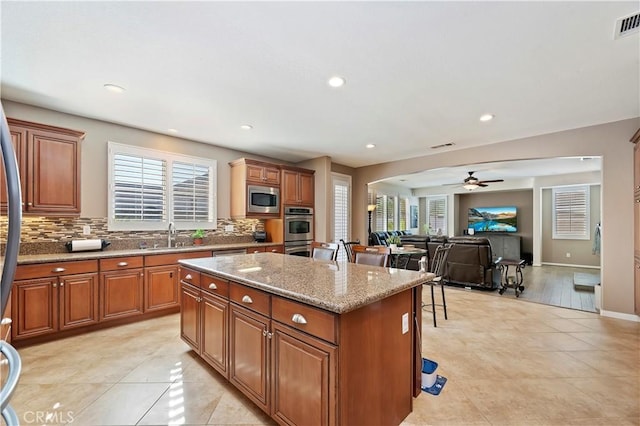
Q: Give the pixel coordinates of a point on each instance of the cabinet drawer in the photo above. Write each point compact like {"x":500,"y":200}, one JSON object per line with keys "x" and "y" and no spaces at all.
{"x":117,"y":263}
{"x":250,"y":298}
{"x":214,"y":285}
{"x":172,"y":258}
{"x":311,"y":320}
{"x":189,"y":276}
{"x":54,"y":269}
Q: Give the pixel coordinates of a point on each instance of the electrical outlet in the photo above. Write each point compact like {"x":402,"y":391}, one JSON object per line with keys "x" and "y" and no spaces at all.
{"x":568,"y":254}
{"x":228,"y":228}
{"x":86,"y":230}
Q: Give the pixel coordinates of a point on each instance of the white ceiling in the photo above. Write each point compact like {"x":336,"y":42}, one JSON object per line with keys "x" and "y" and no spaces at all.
{"x":418,"y":73}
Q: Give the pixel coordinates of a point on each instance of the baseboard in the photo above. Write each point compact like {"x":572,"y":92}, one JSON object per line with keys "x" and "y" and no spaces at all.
{"x":569,"y":265}
{"x":619,"y":315}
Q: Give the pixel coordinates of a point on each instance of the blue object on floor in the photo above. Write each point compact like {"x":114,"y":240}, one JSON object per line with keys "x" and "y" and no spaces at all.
{"x":437,"y":387}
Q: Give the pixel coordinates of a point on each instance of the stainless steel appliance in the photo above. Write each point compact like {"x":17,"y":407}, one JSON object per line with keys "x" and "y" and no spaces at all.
{"x":263,"y":199}
{"x":298,"y":230}
{"x":298,"y":224}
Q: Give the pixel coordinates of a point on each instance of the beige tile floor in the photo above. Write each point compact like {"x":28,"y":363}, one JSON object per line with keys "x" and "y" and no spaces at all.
{"x":507,"y":361}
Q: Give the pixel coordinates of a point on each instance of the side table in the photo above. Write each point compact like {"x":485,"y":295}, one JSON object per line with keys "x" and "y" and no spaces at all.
{"x":511,"y":281}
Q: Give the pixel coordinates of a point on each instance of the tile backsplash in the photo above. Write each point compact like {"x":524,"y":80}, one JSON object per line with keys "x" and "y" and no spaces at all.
{"x":43,"y":235}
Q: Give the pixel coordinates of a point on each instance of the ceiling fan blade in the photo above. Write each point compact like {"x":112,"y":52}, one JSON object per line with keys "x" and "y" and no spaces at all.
{"x":492,"y":181}
{"x":481,"y":184}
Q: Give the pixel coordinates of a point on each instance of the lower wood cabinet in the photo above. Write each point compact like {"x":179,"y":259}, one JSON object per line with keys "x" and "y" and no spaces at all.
{"x":46,"y":305}
{"x":190,"y":315}
{"x":161,"y":288}
{"x":214,"y":346}
{"x":121,"y":293}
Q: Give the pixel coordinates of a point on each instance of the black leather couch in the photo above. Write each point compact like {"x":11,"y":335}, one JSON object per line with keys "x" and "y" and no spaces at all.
{"x":471,"y":263}
{"x":380,"y":238}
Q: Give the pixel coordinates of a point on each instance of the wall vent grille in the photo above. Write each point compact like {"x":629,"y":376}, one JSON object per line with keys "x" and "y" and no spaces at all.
{"x":444,"y":145}
{"x":627,"y":25}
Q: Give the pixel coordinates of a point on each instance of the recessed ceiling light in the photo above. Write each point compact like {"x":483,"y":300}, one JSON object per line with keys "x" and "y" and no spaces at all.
{"x":370,"y":145}
{"x":336,"y":81}
{"x":114,"y":88}
{"x":487,"y":117}
{"x":246,"y":127}
{"x":172,"y":130}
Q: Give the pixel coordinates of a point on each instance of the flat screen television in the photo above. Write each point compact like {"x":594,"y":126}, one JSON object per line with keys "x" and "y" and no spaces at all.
{"x":493,"y":219}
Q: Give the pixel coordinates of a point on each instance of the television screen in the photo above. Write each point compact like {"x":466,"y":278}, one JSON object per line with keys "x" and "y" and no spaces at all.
{"x":493,"y":219}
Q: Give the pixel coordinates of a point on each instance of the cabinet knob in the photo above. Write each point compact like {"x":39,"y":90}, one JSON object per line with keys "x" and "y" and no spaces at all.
{"x":264,"y":333}
{"x":274,"y":250}
{"x":247,"y":299}
{"x":122,"y":264}
{"x":257,"y":251}
{"x":61,"y":284}
{"x":213,"y":286}
{"x":299,"y":319}
{"x":29,"y":204}
{"x":56,"y":270}
{"x":269,"y":335}
{"x":55,"y":285}
{"x":188,"y":277}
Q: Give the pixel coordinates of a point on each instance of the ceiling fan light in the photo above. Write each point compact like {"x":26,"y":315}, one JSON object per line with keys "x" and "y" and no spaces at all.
{"x":470,"y":186}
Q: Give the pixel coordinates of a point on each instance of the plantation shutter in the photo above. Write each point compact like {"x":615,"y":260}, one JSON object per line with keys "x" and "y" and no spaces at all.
{"x":139,"y":187}
{"x":437,"y":214}
{"x":191,"y":184}
{"x":403,"y":214}
{"x":571,"y":212}
{"x":341,"y":213}
{"x":380,"y":213}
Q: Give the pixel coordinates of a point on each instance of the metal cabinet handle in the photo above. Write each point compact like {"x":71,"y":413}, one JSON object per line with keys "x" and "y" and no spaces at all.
{"x":299,"y":319}
{"x":274,"y":250}
{"x":257,"y":251}
{"x":122,"y":264}
{"x":58,"y":270}
{"x":264,"y":333}
{"x":188,"y":277}
{"x":213,"y":286}
{"x":61,"y":284}
{"x":30,"y":204}
{"x":247,"y":299}
{"x":269,"y":335}
{"x":55,"y":285}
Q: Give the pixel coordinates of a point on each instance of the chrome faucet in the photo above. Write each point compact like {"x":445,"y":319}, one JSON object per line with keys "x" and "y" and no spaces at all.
{"x":171,"y":237}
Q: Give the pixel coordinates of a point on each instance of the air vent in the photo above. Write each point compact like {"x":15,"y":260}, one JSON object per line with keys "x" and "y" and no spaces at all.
{"x":444,"y":145}
{"x":627,"y":25}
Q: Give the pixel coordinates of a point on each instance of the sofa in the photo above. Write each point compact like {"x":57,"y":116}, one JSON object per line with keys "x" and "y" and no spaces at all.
{"x":380,"y":238}
{"x":471,"y":263}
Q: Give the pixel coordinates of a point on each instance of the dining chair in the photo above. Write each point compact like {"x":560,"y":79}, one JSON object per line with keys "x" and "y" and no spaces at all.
{"x":371,"y":255}
{"x":437,"y":267}
{"x":348,"y":248}
{"x":326,"y":251}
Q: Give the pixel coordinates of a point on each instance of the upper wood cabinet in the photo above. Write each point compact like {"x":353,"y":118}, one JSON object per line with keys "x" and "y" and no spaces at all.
{"x":48,"y":159}
{"x":245,"y":172}
{"x":297,"y":187}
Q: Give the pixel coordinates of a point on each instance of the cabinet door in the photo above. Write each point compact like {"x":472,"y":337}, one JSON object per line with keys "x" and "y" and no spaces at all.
{"x":54,"y":169}
{"x":214,"y":322}
{"x":248,"y":355}
{"x":306,"y":193}
{"x":161,"y":288}
{"x":290,"y":187}
{"x":19,"y":141}
{"x":78,"y":300}
{"x":263,"y":174}
{"x":303,"y":378}
{"x":35,"y":307}
{"x":121,"y":294}
{"x":190,"y":315}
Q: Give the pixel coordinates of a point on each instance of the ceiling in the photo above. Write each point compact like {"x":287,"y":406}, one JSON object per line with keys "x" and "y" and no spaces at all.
{"x":418,"y":74}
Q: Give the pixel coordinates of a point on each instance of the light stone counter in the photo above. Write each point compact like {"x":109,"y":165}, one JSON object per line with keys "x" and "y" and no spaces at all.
{"x":337,"y":287}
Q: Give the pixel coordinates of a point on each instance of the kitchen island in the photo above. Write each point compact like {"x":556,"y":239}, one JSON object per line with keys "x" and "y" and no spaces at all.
{"x":310,"y":342}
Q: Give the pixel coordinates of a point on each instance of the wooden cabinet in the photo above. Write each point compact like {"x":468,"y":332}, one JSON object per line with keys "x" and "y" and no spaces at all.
{"x":245,"y":172}
{"x":161,"y":288}
{"x":50,"y":297}
{"x":49,"y":162}
{"x":273,"y":249}
{"x":215,"y":324}
{"x":190,"y":315}
{"x":121,"y":287}
{"x":297,"y":187}
{"x":636,"y":218}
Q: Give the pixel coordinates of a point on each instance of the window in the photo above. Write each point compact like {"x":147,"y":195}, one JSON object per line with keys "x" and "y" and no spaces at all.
{"x":141,"y":198}
{"x":403,"y":212}
{"x":341,"y":210}
{"x":571,"y":212}
{"x":437,"y":214}
{"x":385,"y":213}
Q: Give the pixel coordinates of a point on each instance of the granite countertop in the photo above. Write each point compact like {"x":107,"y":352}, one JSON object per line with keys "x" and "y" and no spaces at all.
{"x":88,"y":255}
{"x":337,"y":287}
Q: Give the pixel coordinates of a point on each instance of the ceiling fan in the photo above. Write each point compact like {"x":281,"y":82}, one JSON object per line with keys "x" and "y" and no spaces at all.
{"x":472,"y":182}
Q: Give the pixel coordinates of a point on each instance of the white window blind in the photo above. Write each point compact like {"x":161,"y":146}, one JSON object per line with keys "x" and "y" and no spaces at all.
{"x":341,"y":211}
{"x":437,"y":214}
{"x":386,"y":217}
{"x":149,"y":188}
{"x":380,"y":214}
{"x":571,"y":212}
{"x":402,"y":216}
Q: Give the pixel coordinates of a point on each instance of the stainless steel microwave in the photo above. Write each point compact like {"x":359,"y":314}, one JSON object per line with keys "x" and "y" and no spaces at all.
{"x":263,"y":199}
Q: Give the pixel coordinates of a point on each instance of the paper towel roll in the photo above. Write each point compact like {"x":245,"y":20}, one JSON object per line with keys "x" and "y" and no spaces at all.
{"x":86,"y":245}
